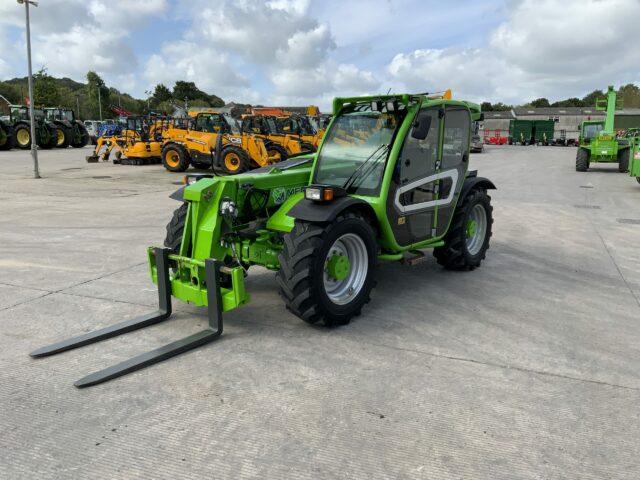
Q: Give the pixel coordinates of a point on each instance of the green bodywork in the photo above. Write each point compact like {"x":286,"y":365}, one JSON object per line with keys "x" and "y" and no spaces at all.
{"x":263,"y":199}
{"x":633,"y":136}
{"x":45,"y":131}
{"x":603,"y":146}
{"x":65,"y":118}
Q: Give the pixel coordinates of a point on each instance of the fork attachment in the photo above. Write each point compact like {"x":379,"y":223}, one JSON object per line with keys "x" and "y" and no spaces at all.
{"x":211,"y":333}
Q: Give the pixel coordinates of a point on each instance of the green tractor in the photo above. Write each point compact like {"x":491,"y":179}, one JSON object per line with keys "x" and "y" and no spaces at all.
{"x":46,"y":132}
{"x":598,"y":142}
{"x":6,"y":136}
{"x":71,"y":132}
{"x":389,"y":180}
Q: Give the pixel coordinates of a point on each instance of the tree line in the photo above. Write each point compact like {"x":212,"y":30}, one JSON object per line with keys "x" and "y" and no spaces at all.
{"x":629,"y":94}
{"x":87,"y":99}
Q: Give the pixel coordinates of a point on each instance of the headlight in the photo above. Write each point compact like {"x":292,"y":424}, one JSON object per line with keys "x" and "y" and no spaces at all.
{"x":323,"y":193}
{"x":228,"y":208}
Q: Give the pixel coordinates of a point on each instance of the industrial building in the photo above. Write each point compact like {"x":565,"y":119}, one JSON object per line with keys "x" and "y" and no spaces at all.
{"x":567,"y":119}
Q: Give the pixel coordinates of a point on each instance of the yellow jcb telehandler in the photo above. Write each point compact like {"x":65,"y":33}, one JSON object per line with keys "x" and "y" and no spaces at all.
{"x":277,"y":142}
{"x":208,"y":140}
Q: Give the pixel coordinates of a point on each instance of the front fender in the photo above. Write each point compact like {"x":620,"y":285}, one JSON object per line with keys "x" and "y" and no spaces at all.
{"x":473,"y":182}
{"x":311,"y":211}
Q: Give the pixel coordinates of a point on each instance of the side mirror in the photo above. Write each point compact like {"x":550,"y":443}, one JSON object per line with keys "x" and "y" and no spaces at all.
{"x":421,"y":126}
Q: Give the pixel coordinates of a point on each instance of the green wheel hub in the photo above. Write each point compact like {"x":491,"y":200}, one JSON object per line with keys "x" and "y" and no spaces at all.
{"x":338,"y":267}
{"x":472,"y":227}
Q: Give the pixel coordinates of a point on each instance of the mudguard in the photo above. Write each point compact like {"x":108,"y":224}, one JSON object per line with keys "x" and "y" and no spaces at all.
{"x":472,"y":182}
{"x":178,"y":194}
{"x":311,"y":211}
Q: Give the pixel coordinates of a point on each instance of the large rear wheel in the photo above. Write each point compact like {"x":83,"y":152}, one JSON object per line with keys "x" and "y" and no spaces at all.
{"x":22,"y":135}
{"x":326,"y":271}
{"x":64,"y":137}
{"x":80,"y":136}
{"x":6,"y":137}
{"x":277,"y":151}
{"x":467,"y":241}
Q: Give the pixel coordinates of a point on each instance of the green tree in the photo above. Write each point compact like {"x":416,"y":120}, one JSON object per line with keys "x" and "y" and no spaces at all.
{"x":569,"y":102}
{"x":161,"y":94}
{"x":95,"y":84}
{"x":589,"y":100}
{"x":540,"y":103}
{"x":45,"y":89}
{"x":630,"y":95}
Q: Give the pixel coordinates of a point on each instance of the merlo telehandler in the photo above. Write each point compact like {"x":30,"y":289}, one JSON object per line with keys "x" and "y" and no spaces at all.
{"x":598,"y":142}
{"x":321,"y":221}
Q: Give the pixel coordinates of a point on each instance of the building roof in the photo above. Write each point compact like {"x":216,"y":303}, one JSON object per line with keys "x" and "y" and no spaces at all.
{"x":508,"y":114}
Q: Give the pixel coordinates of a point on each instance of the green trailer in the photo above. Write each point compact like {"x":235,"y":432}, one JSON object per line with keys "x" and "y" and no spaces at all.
{"x":543,"y":131}
{"x":389,"y":179}
{"x":598,"y":142}
{"x":520,"y":132}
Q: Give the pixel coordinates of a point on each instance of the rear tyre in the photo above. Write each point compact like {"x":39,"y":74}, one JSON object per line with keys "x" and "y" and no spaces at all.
{"x":64,"y":137}
{"x":175,"y":228}
{"x":175,"y":158}
{"x":467,"y":241}
{"x":48,"y":138}
{"x":22,"y":136}
{"x":80,"y":136}
{"x":234,"y":159}
{"x":623,"y":160}
{"x":273,"y":149}
{"x":6,"y":137}
{"x":327,"y":271}
{"x":582,"y":160}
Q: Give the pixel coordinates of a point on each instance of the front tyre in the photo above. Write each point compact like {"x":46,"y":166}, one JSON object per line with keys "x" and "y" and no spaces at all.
{"x":582,"y":160}
{"x":467,"y":241}
{"x":623,"y":160}
{"x":327,"y":270}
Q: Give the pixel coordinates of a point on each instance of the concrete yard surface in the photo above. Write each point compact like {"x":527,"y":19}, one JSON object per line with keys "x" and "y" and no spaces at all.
{"x":526,"y":368}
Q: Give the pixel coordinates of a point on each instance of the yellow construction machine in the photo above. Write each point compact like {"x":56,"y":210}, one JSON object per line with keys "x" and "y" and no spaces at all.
{"x":277,"y":142}
{"x":211,"y":140}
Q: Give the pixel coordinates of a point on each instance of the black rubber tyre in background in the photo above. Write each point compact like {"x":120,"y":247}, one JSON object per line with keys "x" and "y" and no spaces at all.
{"x":81,"y":137}
{"x":623,"y":160}
{"x":307,"y":147}
{"x":582,"y":160}
{"x":303,"y":264}
{"x":456,"y":254}
{"x":175,"y":158}
{"x":234,"y":160}
{"x":22,"y":130}
{"x":275,"y":149}
{"x":6,"y":137}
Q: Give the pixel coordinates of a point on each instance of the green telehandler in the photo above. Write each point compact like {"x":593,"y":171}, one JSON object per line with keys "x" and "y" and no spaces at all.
{"x":633,"y":137}
{"x":598,"y":142}
{"x":389,"y":180}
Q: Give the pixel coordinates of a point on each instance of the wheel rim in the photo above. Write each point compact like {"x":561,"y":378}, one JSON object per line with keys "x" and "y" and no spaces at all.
{"x":232,"y":161}
{"x":476,"y":229}
{"x":60,"y":137}
{"x":23,"y":137}
{"x":173,"y":159}
{"x":345,"y":268}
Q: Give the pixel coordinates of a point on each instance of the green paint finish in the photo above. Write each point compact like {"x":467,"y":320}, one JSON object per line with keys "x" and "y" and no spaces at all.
{"x":262,"y":200}
{"x":338,"y":267}
{"x":603,"y":146}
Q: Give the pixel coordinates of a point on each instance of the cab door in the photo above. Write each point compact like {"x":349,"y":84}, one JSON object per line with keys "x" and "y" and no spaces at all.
{"x":452,"y":168}
{"x":412,"y":198}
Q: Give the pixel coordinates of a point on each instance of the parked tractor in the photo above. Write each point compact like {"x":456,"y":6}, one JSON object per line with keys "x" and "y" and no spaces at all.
{"x":598,"y":142}
{"x":6,"y":136}
{"x":71,"y":132}
{"x":321,"y":222}
{"x":46,"y":132}
{"x":211,"y":140}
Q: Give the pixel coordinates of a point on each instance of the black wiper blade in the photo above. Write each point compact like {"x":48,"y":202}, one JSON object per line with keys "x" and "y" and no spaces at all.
{"x":353,"y":177}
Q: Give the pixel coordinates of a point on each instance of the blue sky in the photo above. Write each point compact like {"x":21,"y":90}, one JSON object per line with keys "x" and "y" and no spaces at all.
{"x":307,"y":51}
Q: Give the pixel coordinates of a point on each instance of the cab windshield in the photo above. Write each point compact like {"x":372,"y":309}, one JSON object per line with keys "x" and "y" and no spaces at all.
{"x":592,"y":130}
{"x":359,"y":134}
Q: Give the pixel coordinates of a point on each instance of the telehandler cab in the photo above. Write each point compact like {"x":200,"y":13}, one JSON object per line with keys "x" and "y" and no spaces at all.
{"x":321,"y":221}
{"x":279,"y":144}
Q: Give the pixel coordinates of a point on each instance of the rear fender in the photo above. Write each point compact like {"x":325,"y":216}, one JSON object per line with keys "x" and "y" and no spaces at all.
{"x":473,"y":182}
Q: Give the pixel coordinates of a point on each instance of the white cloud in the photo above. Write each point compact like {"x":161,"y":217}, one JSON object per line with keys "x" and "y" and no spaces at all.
{"x":544,"y":48}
